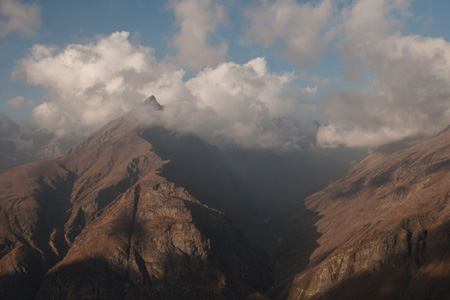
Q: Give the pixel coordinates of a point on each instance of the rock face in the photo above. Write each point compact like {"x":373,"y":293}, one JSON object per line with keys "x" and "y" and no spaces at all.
{"x":103,"y":222}
{"x":383,"y":231}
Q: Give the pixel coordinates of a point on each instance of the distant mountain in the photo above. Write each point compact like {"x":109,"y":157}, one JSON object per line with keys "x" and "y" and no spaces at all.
{"x":380,"y":232}
{"x":104,"y":221}
{"x":8,"y":128}
{"x":22,"y":144}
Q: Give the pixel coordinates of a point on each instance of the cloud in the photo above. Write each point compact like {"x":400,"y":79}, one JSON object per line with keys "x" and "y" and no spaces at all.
{"x":86,"y":85}
{"x":399,"y":85}
{"x":244,"y":105}
{"x":296,"y":31}
{"x":18,"y":17}
{"x":409,"y":93}
{"x":363,"y":26}
{"x":18,"y":102}
{"x":322,"y":81}
{"x":395,"y":86}
{"x":197,"y":20}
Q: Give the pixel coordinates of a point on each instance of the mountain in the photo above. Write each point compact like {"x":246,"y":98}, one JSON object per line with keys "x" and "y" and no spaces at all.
{"x":120,"y":217}
{"x":23,"y":144}
{"x":8,"y":149}
{"x":137,"y":211}
{"x":380,"y":232}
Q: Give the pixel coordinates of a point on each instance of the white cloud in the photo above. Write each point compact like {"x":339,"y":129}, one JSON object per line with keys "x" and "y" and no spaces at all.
{"x":197,"y":20}
{"x":18,"y":17}
{"x":245,"y":105}
{"x":400,"y":85}
{"x":294,"y":30}
{"x":410,"y":90}
{"x":407,"y":91}
{"x":87,"y":84}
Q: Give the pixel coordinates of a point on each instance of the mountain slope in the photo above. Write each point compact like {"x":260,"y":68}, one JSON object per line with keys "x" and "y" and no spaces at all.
{"x":384,"y":228}
{"x":103,"y":222}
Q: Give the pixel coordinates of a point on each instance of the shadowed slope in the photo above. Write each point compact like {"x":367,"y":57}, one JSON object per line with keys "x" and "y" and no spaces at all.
{"x":200,"y":168}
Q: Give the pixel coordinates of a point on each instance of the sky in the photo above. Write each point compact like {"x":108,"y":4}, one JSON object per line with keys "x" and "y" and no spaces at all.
{"x":260,"y":74}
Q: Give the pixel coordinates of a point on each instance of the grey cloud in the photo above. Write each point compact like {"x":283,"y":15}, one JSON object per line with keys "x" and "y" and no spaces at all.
{"x":409,"y":94}
{"x":198,"y":19}
{"x":300,"y":27}
{"x":18,"y":17}
{"x":18,"y":102}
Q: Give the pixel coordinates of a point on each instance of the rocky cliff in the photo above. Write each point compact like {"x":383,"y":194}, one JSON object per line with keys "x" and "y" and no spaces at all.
{"x":103,"y":222}
{"x":383,"y":230}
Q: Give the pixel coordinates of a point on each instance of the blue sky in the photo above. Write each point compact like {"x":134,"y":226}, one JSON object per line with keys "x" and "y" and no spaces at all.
{"x":320,"y":45}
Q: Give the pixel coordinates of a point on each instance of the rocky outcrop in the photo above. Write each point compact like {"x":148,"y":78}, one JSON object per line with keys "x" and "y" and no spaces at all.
{"x":384,"y":229}
{"x":102,"y":222}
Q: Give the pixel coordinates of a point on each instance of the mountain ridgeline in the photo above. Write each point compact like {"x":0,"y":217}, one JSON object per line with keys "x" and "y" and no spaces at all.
{"x":102,"y":222}
{"x":140,"y":212}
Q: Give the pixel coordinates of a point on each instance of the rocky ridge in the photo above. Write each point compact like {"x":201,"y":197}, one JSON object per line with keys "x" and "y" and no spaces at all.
{"x":102,"y":222}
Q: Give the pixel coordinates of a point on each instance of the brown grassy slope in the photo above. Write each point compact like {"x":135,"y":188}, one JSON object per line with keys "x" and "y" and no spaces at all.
{"x":384,"y":228}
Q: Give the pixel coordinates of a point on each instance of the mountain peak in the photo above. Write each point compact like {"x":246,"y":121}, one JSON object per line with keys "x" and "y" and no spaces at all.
{"x":151,"y":101}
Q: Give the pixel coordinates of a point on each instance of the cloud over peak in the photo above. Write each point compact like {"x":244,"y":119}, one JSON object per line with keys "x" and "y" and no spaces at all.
{"x":244,"y":105}
{"x":87,"y":84}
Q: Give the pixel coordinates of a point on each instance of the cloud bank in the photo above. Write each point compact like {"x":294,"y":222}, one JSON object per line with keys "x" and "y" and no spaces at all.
{"x":245,"y":105}
{"x":401,"y":81}
{"x":18,"y":17}
{"x":89,"y":84}
{"x":397,"y":85}
{"x":410,"y":90}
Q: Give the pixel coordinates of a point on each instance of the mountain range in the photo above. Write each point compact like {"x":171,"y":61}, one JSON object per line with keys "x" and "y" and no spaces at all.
{"x":140,"y":212}
{"x":21,"y":144}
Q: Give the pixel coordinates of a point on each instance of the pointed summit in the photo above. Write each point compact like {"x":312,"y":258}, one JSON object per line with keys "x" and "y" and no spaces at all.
{"x":151,"y":101}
